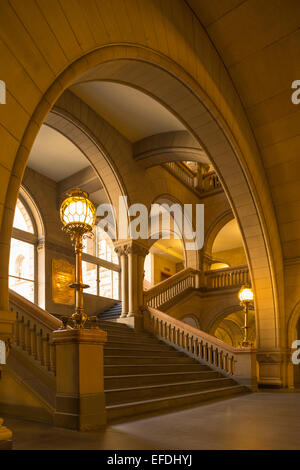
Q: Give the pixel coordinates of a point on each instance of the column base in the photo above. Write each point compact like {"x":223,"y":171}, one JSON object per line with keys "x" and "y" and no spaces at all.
{"x":84,"y":413}
{"x":273,"y":366}
{"x":134,"y":321}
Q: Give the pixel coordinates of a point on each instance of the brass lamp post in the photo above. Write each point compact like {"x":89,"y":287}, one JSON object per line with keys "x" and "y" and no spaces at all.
{"x":78,"y":215}
{"x":246,"y":300}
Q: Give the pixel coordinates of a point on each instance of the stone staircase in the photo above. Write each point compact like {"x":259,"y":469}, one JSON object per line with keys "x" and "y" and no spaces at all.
{"x":112,"y":313}
{"x":144,"y":375}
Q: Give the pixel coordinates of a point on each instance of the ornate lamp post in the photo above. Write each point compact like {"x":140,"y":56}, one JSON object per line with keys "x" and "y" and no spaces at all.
{"x":78,"y":215}
{"x":246,"y":300}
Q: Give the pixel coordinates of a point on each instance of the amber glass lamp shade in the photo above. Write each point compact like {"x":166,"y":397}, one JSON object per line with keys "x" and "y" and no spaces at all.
{"x":246,"y":294}
{"x":77,"y":212}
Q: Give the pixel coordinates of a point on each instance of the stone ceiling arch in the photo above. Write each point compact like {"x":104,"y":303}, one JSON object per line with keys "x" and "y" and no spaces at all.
{"x":181,"y":94}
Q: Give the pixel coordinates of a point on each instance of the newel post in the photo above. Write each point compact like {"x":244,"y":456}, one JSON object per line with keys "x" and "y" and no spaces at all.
{"x":245,"y":370}
{"x":80,"y":399}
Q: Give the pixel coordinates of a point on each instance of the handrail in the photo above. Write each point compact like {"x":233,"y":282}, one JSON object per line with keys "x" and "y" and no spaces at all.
{"x":33,"y":330}
{"x":182,"y":172}
{"x":166,"y":290}
{"x":201,"y":182}
{"x":42,"y":316}
{"x":227,"y":277}
{"x":237,"y":362}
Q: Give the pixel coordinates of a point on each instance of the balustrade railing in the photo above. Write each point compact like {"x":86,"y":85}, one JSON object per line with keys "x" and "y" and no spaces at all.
{"x":202,"y":182}
{"x":167,"y":290}
{"x":182,"y":172}
{"x":237,"y":362}
{"x":32,"y":331}
{"x":227,"y":277}
{"x":210,"y":181}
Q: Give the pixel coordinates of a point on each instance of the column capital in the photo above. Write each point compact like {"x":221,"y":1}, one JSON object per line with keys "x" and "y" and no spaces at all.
{"x":126,"y":247}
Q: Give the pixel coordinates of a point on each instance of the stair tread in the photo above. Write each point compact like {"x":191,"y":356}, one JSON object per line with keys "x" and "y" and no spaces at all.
{"x":166,"y":385}
{"x":158,"y":374}
{"x":147,"y":357}
{"x":170,"y":397}
{"x":151,"y":365}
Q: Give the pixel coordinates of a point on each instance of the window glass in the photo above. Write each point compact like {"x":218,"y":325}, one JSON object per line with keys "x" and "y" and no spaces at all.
{"x":105,"y":247}
{"x":116,"y":278}
{"x":105,"y":280}
{"x":22,"y":219}
{"x":147,"y":268}
{"x":89,"y":275}
{"x":21,"y":268}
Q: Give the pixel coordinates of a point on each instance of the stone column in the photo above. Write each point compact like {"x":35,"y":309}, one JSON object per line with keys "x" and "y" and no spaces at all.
{"x":122,"y":252}
{"x":80,"y":399}
{"x":136,"y":258}
{"x":132,"y":281}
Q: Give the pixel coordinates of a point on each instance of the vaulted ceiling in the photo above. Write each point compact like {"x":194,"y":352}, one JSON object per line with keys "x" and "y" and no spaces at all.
{"x":259,"y":44}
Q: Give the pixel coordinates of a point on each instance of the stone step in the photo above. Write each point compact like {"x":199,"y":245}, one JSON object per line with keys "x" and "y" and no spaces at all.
{"x":121,"y":381}
{"x":113,"y":324}
{"x":133,"y":394}
{"x":125,"y":410}
{"x":112,"y":337}
{"x":131,"y":351}
{"x":137,"y":345}
{"x":151,"y":368}
{"x":146,"y":360}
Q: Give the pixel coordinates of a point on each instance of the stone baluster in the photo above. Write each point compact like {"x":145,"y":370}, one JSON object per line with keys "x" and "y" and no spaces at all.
{"x":46,"y":351}
{"x":52,"y":358}
{"x":33,"y":341}
{"x":27,"y":343}
{"x":17,"y":331}
{"x":40,"y":351}
{"x":22,"y":333}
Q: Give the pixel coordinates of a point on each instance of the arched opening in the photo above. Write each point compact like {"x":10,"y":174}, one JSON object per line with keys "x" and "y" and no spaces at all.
{"x":165,"y":258}
{"x":227,"y":248}
{"x":191,"y":320}
{"x":190,"y":105}
{"x":23,"y":262}
{"x":229,"y":327}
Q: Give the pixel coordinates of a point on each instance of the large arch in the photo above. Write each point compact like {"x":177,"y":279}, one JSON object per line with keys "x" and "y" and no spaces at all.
{"x":78,"y":130}
{"x":188,"y":90}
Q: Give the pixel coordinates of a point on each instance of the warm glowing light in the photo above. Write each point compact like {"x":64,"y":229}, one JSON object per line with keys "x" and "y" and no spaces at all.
{"x":246,"y":294}
{"x":78,"y":210}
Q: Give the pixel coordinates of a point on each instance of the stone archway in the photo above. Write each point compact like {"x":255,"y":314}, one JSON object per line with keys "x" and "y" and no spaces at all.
{"x":232,"y":152}
{"x":211,"y":233}
{"x":99,"y":156}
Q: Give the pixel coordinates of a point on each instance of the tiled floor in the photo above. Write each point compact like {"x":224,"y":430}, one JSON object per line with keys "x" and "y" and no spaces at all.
{"x":255,"y":421}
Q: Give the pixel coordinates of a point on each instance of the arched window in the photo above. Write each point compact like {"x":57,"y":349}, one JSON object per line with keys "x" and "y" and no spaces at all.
{"x":22,"y":252}
{"x":100,"y":267}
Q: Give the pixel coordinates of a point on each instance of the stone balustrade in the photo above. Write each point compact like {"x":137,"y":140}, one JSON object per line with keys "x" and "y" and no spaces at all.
{"x":167,"y":290}
{"x":182,"y":172}
{"x":210,"y":181}
{"x":201,"y":182}
{"x":33,"y":331}
{"x":237,"y":362}
{"x":227,"y":277}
